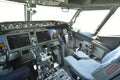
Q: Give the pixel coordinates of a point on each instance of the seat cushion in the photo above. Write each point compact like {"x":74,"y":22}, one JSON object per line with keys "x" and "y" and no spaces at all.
{"x":82,"y":67}
{"x":87,"y":67}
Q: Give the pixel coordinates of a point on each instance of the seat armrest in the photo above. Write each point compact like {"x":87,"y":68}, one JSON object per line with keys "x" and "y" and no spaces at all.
{"x":106,"y":71}
{"x":81,"y":55}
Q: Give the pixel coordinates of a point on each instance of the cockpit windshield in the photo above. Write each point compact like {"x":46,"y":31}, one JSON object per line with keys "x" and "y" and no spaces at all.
{"x":53,"y":13}
{"x":11,"y":11}
{"x":87,"y":22}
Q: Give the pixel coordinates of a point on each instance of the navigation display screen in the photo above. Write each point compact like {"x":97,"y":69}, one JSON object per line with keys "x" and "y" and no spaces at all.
{"x":43,"y":36}
{"x":18,"y":41}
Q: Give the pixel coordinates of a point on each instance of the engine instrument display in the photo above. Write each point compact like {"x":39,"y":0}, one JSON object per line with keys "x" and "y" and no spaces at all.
{"x":43,"y":36}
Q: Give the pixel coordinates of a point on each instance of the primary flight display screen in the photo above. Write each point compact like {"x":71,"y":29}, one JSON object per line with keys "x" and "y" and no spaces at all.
{"x":1,"y":39}
{"x":43,"y":36}
{"x":18,"y":41}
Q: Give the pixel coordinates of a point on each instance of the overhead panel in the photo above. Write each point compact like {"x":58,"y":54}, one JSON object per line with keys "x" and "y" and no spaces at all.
{"x":43,"y":2}
{"x":51,"y":2}
{"x":72,"y":3}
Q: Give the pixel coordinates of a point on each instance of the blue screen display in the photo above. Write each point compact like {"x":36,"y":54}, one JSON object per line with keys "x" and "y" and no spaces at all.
{"x":52,"y":31}
{"x":1,"y":39}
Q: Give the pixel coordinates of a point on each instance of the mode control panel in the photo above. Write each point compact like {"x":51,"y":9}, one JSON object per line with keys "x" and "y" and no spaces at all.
{"x":31,"y":24}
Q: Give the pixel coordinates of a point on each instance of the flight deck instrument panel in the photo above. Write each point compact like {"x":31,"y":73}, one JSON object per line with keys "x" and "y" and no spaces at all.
{"x":33,"y":41}
{"x":21,"y":37}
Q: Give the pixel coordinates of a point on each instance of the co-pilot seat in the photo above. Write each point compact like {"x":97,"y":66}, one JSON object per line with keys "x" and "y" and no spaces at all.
{"x":89,"y":69}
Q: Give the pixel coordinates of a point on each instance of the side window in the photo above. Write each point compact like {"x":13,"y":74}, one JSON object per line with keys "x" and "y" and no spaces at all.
{"x":89,"y":21}
{"x":112,"y":27}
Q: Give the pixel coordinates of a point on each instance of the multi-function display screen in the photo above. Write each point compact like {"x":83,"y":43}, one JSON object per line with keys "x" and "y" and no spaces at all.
{"x":18,"y":41}
{"x":43,"y":36}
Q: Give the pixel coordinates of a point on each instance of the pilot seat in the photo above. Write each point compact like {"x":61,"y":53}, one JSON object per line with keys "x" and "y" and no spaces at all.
{"x":90,"y":69}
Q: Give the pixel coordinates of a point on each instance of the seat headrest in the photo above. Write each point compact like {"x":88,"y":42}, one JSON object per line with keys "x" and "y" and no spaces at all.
{"x":112,"y":55}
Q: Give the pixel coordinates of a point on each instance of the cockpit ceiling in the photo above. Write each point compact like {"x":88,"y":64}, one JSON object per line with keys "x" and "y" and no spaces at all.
{"x":71,"y":3}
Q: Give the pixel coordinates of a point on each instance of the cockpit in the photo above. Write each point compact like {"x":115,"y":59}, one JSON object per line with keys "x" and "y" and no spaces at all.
{"x":59,"y":40}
